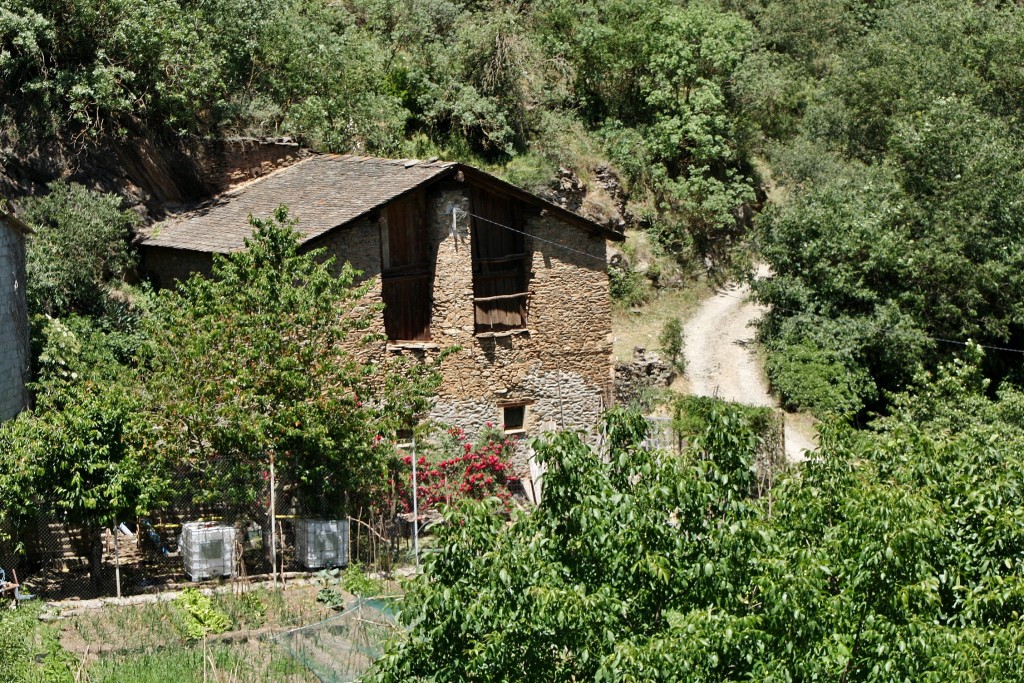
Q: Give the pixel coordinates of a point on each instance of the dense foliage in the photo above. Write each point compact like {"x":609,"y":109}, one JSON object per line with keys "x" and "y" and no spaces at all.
{"x":898,"y":225}
{"x":647,"y":87}
{"x":79,"y":251}
{"x":890,"y":133}
{"x":219,"y":378}
{"x":82,"y":449}
{"x":891,"y":557}
{"x":267,"y":361}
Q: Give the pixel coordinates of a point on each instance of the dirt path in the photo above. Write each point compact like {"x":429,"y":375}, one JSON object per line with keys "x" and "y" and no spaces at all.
{"x":721,"y":361}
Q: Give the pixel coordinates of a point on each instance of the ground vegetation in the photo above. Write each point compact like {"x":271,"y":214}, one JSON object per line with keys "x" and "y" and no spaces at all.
{"x":648,"y":89}
{"x":888,"y":557}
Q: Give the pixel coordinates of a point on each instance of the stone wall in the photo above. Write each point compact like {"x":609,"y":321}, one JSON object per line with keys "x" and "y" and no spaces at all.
{"x":358,"y":243}
{"x":167,"y":266}
{"x":223,"y":163}
{"x":644,"y":371}
{"x":559,"y":366}
{"x":14,"y":356}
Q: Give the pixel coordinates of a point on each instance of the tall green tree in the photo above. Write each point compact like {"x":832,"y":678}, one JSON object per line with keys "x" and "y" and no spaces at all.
{"x":273,"y":360}
{"x":84,"y":452}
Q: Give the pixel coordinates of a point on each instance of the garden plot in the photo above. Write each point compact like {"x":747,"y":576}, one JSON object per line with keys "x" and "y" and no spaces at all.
{"x":162,"y":642}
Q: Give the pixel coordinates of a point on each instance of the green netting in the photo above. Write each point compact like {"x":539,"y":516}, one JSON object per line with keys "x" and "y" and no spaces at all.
{"x":342,"y":648}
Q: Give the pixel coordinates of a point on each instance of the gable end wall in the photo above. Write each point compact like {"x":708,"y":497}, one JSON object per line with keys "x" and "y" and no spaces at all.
{"x":561,"y":367}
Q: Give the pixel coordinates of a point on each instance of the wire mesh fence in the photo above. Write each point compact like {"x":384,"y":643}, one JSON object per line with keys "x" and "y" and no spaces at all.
{"x":341,"y":649}
{"x":278,"y":529}
{"x":198,"y":536}
{"x":661,"y":436}
{"x":193,"y":539}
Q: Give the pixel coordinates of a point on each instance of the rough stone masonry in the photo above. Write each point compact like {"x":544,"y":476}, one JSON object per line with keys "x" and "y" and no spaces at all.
{"x":558,"y":367}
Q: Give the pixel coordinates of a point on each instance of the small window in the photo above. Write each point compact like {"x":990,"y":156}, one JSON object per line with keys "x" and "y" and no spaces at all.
{"x":514,"y":418}
{"x":404,"y":437}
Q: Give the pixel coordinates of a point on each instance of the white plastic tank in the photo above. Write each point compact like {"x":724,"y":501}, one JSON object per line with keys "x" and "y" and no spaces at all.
{"x":321,"y":543}
{"x":207,"y":550}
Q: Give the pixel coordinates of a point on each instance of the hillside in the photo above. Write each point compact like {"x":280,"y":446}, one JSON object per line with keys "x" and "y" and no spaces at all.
{"x":123,"y":96}
{"x":870,"y":153}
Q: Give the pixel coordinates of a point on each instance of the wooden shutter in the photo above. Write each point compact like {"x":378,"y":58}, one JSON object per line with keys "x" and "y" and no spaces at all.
{"x":406,"y":276}
{"x":499,"y":278}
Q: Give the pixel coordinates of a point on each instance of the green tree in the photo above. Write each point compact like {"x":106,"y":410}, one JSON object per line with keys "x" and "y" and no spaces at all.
{"x":79,"y":252}
{"x":671,"y":343}
{"x":891,"y":556}
{"x":273,"y":360}
{"x":84,"y":451}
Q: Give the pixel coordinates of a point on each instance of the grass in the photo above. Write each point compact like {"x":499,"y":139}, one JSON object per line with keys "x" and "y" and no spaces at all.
{"x":254,"y":661}
{"x":30,"y":650}
{"x":641,"y":326}
{"x":143,"y":643}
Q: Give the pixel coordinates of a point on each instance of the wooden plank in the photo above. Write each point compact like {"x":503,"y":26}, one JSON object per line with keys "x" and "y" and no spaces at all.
{"x":500,"y":297}
{"x":404,"y":233}
{"x":514,"y":258}
{"x":499,"y":263}
{"x":406,"y":274}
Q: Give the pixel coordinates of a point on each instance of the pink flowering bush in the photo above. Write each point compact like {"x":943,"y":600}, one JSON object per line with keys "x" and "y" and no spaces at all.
{"x":464,"y":469}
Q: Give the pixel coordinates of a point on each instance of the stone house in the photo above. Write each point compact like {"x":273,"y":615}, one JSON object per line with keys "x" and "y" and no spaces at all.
{"x":460,"y":258}
{"x":14,"y":336}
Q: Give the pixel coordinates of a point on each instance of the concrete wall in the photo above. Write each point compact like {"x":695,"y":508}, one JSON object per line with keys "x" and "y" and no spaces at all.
{"x":14,"y":356}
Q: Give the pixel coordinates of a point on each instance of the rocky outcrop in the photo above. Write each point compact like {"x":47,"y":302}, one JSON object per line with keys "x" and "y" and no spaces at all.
{"x":602,"y":201}
{"x":151,"y":173}
{"x":566,"y":190}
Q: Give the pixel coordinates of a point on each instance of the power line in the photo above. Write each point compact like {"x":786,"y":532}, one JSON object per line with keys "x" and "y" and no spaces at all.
{"x":886,"y":330}
{"x":881,"y":330}
{"x":534,"y":237}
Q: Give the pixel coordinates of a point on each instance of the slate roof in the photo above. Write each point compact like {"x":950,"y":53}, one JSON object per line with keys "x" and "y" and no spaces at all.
{"x":323,"y":192}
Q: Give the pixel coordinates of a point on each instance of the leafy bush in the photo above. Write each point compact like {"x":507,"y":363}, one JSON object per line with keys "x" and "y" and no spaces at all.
{"x":671,"y":343}
{"x":822,"y":381}
{"x":462,"y":470}
{"x":357,"y":582}
{"x":353,"y":579}
{"x":329,"y":593}
{"x":79,"y":251}
{"x":201,"y":617}
{"x":897,"y":552}
{"x":628,"y":287}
